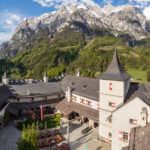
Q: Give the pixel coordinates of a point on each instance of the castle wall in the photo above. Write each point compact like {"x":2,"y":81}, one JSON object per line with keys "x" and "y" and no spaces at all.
{"x":117,"y":87}
{"x":121,"y":118}
{"x":84,"y":101}
{"x":111,"y":96}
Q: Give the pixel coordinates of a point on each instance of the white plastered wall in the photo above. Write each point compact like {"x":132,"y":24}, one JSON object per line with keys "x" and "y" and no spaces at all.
{"x":120,"y":117}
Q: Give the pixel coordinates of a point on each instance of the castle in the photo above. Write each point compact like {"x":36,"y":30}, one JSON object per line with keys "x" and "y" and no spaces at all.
{"x":112,"y":103}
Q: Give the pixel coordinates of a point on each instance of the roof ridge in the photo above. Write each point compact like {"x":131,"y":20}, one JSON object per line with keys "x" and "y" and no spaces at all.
{"x":82,"y":77}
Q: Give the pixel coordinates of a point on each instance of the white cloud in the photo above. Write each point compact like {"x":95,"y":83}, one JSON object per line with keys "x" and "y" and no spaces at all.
{"x":146,"y":12}
{"x":58,"y":3}
{"x":8,"y":23}
{"x":4,"y":37}
{"x":88,"y":2}
{"x":140,"y":3}
{"x":108,"y":2}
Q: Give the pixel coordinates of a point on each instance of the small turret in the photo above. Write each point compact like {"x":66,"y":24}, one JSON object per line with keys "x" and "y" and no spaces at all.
{"x":144,"y":116}
{"x":45,"y":77}
{"x":78,"y":74}
{"x":5,"y":79}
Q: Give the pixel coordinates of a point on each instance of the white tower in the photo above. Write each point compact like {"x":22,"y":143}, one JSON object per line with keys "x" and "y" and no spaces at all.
{"x":114,"y":85}
{"x":45,"y":78}
{"x":5,"y":79}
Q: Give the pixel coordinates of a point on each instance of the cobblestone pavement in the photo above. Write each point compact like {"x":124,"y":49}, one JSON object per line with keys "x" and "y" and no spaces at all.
{"x":77,"y":140}
{"x":8,"y":137}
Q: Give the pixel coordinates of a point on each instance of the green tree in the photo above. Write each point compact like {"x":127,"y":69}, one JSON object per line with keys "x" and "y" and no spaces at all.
{"x":29,"y":138}
{"x":25,"y":145}
{"x":148,"y":75}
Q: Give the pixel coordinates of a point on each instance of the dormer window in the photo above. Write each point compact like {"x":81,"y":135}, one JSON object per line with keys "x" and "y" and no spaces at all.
{"x":44,"y":97}
{"x":16,"y":100}
{"x":30,"y":99}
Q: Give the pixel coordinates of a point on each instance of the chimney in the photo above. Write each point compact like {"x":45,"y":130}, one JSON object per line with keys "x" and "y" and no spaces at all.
{"x":69,"y":95}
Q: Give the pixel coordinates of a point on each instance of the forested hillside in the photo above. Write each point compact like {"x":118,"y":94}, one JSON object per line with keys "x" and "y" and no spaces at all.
{"x":69,"y":50}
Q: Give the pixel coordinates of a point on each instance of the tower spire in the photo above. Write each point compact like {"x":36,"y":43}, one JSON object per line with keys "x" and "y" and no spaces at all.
{"x":115,"y":71}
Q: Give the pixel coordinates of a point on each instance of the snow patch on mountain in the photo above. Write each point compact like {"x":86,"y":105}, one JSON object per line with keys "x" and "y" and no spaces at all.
{"x":125,"y":19}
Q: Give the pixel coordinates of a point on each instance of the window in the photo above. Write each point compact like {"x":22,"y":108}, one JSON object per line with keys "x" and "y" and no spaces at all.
{"x":112,"y":104}
{"x":133,"y":121}
{"x":44,"y":97}
{"x":16,"y":100}
{"x":89,"y":103}
{"x":30,"y":99}
{"x":110,"y":135}
{"x":125,"y":136}
{"x":74,"y":98}
{"x":82,"y":101}
{"x":110,"y":119}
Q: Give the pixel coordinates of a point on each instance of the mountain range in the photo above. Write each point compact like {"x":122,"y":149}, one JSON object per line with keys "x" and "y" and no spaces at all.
{"x":125,"y":21}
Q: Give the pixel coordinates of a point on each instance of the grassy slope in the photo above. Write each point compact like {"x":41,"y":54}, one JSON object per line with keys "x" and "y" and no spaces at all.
{"x":138,"y":74}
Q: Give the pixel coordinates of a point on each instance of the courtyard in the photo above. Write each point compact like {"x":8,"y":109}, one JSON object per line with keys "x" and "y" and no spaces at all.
{"x":77,"y":140}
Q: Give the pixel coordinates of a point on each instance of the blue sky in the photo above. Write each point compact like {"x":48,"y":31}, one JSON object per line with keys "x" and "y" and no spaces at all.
{"x":13,"y":11}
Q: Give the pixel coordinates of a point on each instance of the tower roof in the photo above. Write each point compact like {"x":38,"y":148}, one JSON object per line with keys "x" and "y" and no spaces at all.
{"x":45,"y":74}
{"x":115,"y":71}
{"x":5,"y":75}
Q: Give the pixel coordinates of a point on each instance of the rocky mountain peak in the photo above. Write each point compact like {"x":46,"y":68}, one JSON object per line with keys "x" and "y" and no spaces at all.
{"x":126,"y":19}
